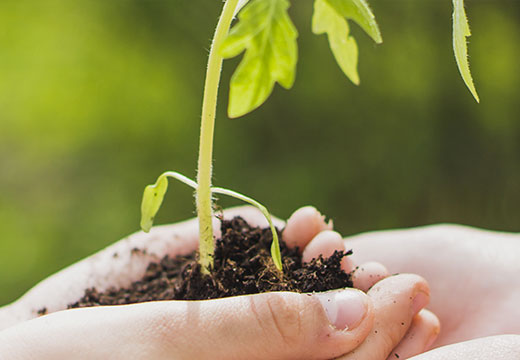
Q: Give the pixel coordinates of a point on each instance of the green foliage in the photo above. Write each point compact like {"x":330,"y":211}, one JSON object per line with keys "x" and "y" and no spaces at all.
{"x":267,"y":35}
{"x":461,"y":31}
{"x":330,"y":18}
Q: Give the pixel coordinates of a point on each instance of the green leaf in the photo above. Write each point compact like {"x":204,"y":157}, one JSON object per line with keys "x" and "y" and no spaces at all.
{"x":152,"y":199}
{"x":360,"y":12}
{"x":267,"y":35}
{"x":154,"y":194}
{"x":460,"y":32}
{"x":343,"y":46}
{"x":330,"y":17}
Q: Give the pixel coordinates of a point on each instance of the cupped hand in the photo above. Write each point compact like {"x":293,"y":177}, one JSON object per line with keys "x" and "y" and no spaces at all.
{"x":272,"y":325}
{"x":474,"y":275}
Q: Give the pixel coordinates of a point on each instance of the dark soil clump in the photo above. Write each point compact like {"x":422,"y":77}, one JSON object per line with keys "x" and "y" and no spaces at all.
{"x":243,"y":265}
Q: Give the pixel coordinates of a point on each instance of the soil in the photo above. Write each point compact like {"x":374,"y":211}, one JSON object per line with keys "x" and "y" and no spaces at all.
{"x":243,"y":265}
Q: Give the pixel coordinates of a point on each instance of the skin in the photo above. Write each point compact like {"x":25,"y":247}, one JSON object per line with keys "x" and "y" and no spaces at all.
{"x":474,"y":280}
{"x":346,"y":324}
{"x":500,"y":347}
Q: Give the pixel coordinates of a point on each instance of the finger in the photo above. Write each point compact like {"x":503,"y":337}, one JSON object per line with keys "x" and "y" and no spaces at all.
{"x":303,"y":225}
{"x":368,"y":274}
{"x":118,"y":265}
{"x":396,"y":300}
{"x":326,"y":243}
{"x":438,"y":252}
{"x":264,"y":326}
{"x":420,"y":336}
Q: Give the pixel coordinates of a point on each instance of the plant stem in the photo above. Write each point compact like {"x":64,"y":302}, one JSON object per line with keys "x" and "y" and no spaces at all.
{"x":209,"y":106}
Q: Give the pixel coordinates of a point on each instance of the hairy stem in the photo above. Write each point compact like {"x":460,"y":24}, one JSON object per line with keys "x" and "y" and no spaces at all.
{"x":209,"y":106}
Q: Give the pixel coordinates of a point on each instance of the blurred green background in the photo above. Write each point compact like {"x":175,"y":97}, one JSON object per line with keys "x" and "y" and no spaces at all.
{"x":97,"y":98}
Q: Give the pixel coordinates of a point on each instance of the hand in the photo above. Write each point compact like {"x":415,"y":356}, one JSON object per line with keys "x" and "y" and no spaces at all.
{"x":271,"y":325}
{"x":473,"y":274}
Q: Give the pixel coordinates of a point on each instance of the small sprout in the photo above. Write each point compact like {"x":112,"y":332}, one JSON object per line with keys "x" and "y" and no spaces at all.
{"x":267,"y":37}
{"x":154,"y":195}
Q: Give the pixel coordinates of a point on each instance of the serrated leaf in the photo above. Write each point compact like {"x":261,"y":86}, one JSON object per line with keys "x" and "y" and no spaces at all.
{"x":330,"y":17}
{"x":152,"y":199}
{"x":461,"y":31}
{"x":267,"y":35}
{"x":344,"y":47}
{"x":360,"y":12}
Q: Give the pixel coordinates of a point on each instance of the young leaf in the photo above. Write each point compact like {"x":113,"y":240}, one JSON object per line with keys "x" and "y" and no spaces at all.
{"x":359,"y":11}
{"x":152,"y":199}
{"x":330,"y":17}
{"x":343,"y":46}
{"x":460,"y":32}
{"x":267,"y":35}
{"x":154,"y":194}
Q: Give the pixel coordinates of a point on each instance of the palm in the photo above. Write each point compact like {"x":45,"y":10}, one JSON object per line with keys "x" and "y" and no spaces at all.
{"x":473,"y":274}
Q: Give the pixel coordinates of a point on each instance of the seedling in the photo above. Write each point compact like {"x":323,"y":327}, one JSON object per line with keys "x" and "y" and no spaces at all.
{"x":267,"y":37}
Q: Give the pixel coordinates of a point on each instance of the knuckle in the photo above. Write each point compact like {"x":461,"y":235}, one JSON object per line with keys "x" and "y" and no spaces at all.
{"x":382,"y":347}
{"x":282,"y":320}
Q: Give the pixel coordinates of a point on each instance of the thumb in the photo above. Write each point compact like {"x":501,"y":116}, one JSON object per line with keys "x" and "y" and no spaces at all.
{"x":286,"y":325}
{"x":280,"y":325}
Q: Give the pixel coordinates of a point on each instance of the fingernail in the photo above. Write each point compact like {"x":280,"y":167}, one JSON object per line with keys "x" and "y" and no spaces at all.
{"x":419,"y":302}
{"x":345,"y":309}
